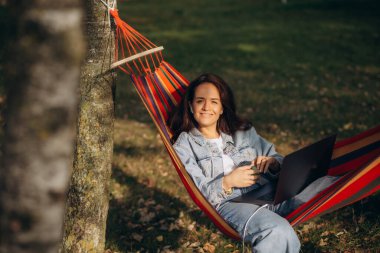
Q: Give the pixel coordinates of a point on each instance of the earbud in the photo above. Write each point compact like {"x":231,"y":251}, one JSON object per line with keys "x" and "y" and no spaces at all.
{"x":191,"y":109}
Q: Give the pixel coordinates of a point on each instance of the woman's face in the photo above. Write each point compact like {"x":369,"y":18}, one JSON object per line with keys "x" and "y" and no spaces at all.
{"x":207,"y":106}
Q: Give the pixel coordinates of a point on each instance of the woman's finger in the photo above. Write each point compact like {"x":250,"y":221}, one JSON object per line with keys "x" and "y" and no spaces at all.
{"x":266,"y":167}
{"x":262,"y":165}
{"x":254,"y":162}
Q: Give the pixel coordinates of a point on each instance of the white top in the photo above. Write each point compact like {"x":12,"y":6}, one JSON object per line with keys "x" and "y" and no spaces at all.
{"x":228,"y":164}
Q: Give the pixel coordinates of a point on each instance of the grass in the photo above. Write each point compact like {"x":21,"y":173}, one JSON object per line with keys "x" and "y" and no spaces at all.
{"x":300,"y":71}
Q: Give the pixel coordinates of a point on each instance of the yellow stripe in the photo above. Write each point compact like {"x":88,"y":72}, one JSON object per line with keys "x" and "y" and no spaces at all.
{"x":183,"y":80}
{"x":338,"y":152}
{"x":162,"y":79}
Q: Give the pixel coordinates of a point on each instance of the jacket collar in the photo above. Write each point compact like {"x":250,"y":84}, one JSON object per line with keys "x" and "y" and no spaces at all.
{"x":201,"y":140}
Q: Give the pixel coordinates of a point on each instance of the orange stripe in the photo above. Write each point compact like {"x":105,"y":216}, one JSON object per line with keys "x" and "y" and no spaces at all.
{"x":356,"y":145}
{"x":166,"y":85}
{"x":155,"y":99}
{"x":176,"y":87}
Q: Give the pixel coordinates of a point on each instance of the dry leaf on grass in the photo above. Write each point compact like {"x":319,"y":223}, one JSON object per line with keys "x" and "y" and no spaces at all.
{"x":137,"y":237}
{"x":194,"y":245}
{"x":147,"y":217}
{"x":323,"y":242}
{"x":209,"y":247}
{"x":214,"y":236}
{"x":191,"y":226}
{"x":326,"y":233}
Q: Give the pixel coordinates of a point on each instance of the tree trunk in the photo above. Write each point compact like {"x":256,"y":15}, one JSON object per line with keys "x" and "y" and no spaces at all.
{"x":42,"y":71}
{"x":87,"y":205}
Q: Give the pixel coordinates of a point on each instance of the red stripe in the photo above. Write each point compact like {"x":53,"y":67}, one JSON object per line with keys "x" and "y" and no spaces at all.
{"x":156,"y":97}
{"x":320,"y":197}
{"x":357,"y":137}
{"x":157,"y":88}
{"x":321,"y":211}
{"x":143,"y":92}
{"x":179,"y":76}
{"x":353,"y":164}
{"x":172,"y":85}
{"x":347,"y":192}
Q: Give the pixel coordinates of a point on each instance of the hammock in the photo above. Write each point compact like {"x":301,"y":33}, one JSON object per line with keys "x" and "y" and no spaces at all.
{"x":161,"y":87}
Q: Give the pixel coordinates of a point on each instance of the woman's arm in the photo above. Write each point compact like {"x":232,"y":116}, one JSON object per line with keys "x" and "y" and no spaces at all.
{"x":211,"y":188}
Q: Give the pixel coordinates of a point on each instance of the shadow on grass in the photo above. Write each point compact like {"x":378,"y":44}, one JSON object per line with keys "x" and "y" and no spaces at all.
{"x":136,"y":151}
{"x":147,"y":218}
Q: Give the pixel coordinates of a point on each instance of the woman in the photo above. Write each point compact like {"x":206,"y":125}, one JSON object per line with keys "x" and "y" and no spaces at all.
{"x":213,"y":143}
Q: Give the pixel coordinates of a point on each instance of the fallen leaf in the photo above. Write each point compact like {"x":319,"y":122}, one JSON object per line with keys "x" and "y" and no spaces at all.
{"x":326,"y":233}
{"x":180,"y":223}
{"x":148,"y":217}
{"x":131,"y":225}
{"x":172,"y":226}
{"x":209,"y":247}
{"x":348,"y":126}
{"x":191,"y":226}
{"x":137,"y":237}
{"x":185,"y":244}
{"x":194,"y":245}
{"x":361,"y":219}
{"x":160,"y":238}
{"x":322,"y":242}
{"x":228,"y":246}
{"x":214,"y":236}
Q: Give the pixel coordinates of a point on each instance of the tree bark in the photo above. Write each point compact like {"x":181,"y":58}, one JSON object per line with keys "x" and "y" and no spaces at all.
{"x":42,"y":71}
{"x":88,"y":197}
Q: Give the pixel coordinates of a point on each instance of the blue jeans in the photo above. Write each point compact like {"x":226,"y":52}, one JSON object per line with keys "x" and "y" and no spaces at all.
{"x":268,"y":231}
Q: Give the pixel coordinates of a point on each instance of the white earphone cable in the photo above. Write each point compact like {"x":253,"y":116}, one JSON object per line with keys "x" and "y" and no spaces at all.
{"x":246,"y":224}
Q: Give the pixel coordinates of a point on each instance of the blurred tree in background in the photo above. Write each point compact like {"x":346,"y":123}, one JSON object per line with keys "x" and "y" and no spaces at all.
{"x":41,"y":70}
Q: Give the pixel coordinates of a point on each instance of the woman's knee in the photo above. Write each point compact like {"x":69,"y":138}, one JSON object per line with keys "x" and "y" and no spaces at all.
{"x":277,"y":235}
{"x":284,"y":228}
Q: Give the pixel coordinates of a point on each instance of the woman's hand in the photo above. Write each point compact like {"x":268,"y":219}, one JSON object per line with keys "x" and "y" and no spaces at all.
{"x":264,"y":163}
{"x":240,"y":177}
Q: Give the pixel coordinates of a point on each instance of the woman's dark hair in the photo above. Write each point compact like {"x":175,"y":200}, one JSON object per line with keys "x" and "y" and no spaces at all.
{"x":182,"y":120}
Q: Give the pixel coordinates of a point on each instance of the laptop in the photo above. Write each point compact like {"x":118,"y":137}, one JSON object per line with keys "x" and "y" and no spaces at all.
{"x":298,"y":170}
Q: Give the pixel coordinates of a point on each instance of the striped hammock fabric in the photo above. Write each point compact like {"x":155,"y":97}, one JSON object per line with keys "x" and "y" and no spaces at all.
{"x":161,"y":87}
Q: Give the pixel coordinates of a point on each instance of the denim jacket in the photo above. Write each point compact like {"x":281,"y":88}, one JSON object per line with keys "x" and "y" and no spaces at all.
{"x":203,"y":160}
